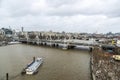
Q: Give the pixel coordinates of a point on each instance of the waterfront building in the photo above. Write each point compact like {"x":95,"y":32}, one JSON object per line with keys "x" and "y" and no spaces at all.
{"x":6,"y":34}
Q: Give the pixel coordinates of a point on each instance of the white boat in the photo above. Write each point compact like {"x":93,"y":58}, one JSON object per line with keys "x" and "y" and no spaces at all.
{"x":13,"y":42}
{"x":32,"y":67}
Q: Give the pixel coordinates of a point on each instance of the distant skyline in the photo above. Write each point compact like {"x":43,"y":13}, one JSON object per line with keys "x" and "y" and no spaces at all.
{"x":89,"y":16}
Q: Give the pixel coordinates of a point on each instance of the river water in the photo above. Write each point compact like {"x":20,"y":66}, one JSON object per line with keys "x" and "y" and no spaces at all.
{"x":58,"y":64}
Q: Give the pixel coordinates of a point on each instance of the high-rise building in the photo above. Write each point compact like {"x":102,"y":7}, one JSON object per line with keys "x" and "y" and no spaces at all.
{"x":22,"y":29}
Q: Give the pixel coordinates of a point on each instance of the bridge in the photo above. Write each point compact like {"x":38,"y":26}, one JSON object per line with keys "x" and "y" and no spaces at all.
{"x":54,"y":40}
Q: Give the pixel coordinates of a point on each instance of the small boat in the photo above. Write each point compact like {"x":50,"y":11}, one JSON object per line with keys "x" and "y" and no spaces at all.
{"x":13,"y":42}
{"x":32,"y":68}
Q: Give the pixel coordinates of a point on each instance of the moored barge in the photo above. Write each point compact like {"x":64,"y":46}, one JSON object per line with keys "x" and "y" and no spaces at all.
{"x":32,"y":68}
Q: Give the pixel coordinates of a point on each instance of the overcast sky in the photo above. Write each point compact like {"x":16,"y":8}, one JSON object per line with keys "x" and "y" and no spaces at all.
{"x":61,"y":15}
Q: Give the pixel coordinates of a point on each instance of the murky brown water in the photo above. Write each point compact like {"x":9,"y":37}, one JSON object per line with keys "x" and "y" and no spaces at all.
{"x":58,"y":64}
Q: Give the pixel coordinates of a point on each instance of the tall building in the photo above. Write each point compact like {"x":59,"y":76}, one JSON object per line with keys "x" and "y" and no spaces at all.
{"x":22,"y":29}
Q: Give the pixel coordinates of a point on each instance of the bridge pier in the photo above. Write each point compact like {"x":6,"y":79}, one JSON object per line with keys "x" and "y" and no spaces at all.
{"x":23,"y":42}
{"x":38,"y":43}
{"x":41,"y":43}
{"x":56,"y":45}
{"x":44,"y":43}
{"x":53,"y":45}
{"x":34,"y":43}
{"x":65,"y":47}
{"x":71,"y":46}
{"x":90,"y":49}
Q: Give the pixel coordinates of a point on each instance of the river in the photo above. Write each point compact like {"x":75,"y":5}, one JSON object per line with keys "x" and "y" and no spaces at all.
{"x":58,"y":64}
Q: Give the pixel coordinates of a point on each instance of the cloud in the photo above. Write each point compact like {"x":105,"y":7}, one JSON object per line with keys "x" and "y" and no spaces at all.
{"x":61,"y":15}
{"x":86,"y":7}
{"x":57,"y":3}
{"x":108,"y":8}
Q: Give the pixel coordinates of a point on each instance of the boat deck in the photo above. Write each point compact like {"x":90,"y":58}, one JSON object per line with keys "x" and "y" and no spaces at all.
{"x":34,"y":66}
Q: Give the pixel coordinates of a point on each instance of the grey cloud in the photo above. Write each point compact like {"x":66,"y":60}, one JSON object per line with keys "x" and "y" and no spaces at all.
{"x":57,"y":3}
{"x":61,"y":15}
{"x":18,"y":8}
{"x":109,"y":8}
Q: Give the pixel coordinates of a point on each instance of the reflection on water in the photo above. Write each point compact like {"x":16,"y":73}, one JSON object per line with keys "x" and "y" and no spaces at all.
{"x":58,"y":64}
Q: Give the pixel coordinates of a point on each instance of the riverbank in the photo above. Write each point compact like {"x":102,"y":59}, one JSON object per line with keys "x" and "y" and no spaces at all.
{"x":4,"y":43}
{"x":103,"y":67}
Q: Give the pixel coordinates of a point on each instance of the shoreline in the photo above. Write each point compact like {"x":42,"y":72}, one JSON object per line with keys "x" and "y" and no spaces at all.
{"x":103,"y":67}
